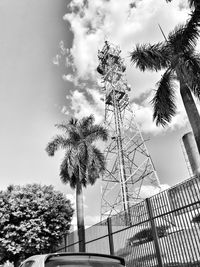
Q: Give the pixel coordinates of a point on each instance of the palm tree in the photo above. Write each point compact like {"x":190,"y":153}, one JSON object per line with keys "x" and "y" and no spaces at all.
{"x":83,"y":161}
{"x":177,"y":55}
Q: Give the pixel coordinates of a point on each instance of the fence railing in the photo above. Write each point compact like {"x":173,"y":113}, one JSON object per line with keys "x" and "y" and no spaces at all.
{"x":163,"y":230}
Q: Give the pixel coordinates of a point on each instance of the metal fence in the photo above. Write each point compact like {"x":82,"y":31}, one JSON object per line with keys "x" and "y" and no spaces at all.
{"x":163,"y":230}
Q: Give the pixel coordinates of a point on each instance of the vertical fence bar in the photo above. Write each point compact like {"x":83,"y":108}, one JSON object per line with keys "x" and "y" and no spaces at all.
{"x":187,"y":225}
{"x":173,"y":216}
{"x":110,"y":236}
{"x":154,"y":233}
{"x":65,"y":240}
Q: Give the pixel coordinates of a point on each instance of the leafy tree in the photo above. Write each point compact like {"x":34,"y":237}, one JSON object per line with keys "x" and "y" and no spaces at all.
{"x":83,"y":161}
{"x":33,"y":219}
{"x":177,"y":55}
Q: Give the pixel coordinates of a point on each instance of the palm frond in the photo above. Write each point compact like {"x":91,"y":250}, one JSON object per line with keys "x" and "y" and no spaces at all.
{"x":64,"y":171}
{"x":73,"y":121}
{"x":93,"y":176}
{"x":185,"y":37}
{"x":68,"y":126}
{"x":151,"y":57}
{"x":194,"y":3}
{"x":96,"y":165}
{"x":191,"y":71}
{"x":83,"y":173}
{"x":195,"y":86}
{"x":64,"y":126}
{"x":98,"y":159}
{"x":164,"y":100}
{"x":59,"y":141}
{"x":70,"y":129}
{"x":97,"y":132}
{"x":69,"y":169}
{"x":82,"y":153}
{"x":74,"y":136}
{"x":86,"y":122}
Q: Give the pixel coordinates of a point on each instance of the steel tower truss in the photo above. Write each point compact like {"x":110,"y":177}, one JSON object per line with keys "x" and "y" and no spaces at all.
{"x":129,"y":165}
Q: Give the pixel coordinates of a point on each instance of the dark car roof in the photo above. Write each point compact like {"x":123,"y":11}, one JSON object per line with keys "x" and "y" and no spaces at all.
{"x":122,"y":261}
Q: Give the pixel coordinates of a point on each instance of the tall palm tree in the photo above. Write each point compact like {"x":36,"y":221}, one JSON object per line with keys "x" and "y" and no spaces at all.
{"x":178,"y":56}
{"x":83,"y":161}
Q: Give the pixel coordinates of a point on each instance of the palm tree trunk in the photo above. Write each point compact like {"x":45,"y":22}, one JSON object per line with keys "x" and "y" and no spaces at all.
{"x":80,"y":217}
{"x":191,"y":110}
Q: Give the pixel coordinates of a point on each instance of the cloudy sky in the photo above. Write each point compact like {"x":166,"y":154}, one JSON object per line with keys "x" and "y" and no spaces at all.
{"x":48,"y":52}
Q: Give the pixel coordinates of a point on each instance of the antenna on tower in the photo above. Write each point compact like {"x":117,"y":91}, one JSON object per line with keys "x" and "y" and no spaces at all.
{"x":129,"y":165}
{"x":162,"y":32}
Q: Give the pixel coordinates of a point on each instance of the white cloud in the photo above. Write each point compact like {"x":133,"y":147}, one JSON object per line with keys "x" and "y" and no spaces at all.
{"x":56,"y":60}
{"x":114,"y":20}
{"x":74,"y":223}
{"x":72,"y":198}
{"x":82,"y":106}
{"x":149,"y":190}
{"x":64,"y":110}
{"x":91,"y":102}
{"x":97,"y":98}
{"x":144,"y":116}
{"x":98,"y":20}
{"x":91,"y":220}
{"x":69,"y":77}
{"x":88,"y":220}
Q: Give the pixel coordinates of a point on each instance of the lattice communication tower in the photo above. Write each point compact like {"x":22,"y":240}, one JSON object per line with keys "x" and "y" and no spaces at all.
{"x":129,"y":165}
